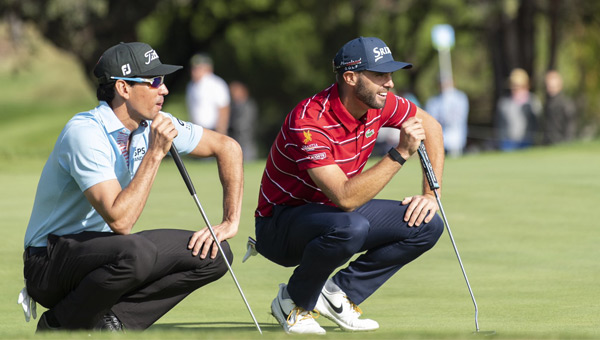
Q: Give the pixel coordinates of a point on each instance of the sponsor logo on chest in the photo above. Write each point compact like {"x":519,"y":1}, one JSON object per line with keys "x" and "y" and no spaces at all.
{"x":139,"y":153}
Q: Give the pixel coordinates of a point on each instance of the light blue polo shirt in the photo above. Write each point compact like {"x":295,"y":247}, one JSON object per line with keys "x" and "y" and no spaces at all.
{"x":92,"y":148}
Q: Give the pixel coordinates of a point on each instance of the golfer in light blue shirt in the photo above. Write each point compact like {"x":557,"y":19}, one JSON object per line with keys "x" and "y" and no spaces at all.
{"x":92,"y":148}
{"x":82,"y":260}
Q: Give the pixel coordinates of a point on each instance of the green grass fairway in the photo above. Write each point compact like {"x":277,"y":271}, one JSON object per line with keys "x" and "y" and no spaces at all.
{"x":526,"y":224}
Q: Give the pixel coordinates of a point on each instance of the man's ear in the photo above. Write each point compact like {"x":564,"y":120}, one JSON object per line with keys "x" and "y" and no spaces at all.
{"x":122,"y":89}
{"x":350,"y":78}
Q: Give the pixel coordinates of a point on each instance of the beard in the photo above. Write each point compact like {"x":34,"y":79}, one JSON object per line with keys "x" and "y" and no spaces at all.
{"x":369,"y":98}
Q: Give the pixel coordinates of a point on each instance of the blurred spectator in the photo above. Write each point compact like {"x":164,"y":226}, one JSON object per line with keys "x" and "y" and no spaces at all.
{"x":517,"y":114}
{"x":410,"y":96}
{"x":207,"y":96}
{"x":559,"y":111}
{"x":451,"y":109}
{"x":244,"y":113}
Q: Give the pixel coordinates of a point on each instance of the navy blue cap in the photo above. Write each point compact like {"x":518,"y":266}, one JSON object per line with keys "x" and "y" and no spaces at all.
{"x":369,"y":53}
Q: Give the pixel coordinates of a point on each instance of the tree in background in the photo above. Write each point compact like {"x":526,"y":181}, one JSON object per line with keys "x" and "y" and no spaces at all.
{"x":283,"y":49}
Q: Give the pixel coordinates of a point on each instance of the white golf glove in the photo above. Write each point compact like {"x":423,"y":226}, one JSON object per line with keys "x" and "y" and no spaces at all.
{"x":28,"y":304}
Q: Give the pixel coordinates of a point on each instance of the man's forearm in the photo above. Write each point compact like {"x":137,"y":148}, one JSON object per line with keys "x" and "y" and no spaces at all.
{"x":231,"y":174}
{"x":350,"y":193}
{"x":130,"y":202}
{"x":370,"y":183}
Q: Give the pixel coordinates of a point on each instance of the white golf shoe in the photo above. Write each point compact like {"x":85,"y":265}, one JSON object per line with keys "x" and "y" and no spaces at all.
{"x":294,"y":319}
{"x":338,"y":308}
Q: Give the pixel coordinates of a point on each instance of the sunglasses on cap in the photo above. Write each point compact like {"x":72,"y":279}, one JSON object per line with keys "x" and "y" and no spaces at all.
{"x":154,"y":82}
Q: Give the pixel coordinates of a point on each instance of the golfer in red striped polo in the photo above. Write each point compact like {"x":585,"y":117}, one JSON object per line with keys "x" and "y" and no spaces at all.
{"x":316,"y":206}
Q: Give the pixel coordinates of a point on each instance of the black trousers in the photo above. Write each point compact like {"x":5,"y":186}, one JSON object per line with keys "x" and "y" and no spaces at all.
{"x":140,"y":276}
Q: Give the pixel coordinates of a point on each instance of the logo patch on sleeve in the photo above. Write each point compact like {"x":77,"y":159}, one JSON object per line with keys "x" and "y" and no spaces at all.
{"x":317,"y":156}
{"x":307,"y":137}
{"x":309,"y":147}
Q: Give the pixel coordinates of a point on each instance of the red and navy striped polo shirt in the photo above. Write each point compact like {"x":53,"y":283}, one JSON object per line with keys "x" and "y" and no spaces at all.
{"x":318,"y":132}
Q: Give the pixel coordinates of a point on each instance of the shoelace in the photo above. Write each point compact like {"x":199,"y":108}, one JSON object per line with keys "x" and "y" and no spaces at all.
{"x":354,"y":306}
{"x":303,"y":313}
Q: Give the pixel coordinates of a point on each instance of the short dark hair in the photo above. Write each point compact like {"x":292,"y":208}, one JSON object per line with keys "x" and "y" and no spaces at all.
{"x":106,"y":92}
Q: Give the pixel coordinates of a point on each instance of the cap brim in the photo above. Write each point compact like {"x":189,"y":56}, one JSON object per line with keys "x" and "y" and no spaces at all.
{"x":390,"y":66}
{"x":160,"y":70}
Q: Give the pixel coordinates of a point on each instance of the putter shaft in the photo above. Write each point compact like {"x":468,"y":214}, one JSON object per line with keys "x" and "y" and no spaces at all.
{"x":437,"y":197}
{"x":190,"y":185}
{"x":434,"y":186}
{"x":214,"y":236}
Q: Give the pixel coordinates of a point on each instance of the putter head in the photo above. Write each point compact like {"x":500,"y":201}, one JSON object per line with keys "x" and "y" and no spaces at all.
{"x":250,"y":249}
{"x":485,"y":333}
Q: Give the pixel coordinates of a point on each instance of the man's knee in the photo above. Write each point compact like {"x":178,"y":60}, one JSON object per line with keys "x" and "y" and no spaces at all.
{"x":350,"y":232}
{"x":435,"y":228}
{"x":220,"y":267}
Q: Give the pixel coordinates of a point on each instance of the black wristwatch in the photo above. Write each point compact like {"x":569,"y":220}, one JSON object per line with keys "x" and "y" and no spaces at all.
{"x":395,"y":155}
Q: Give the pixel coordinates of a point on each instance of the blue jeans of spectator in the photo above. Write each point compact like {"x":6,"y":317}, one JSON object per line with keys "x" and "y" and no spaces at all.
{"x":510,"y":145}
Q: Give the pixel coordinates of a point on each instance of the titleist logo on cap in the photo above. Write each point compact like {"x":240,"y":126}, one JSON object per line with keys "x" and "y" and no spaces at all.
{"x":150,"y":55}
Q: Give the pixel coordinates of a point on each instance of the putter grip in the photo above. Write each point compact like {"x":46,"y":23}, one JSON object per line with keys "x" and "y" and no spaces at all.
{"x":182,"y":170}
{"x":426,"y":163}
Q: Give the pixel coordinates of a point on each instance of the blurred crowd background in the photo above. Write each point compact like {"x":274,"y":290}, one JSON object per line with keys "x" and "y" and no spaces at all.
{"x":510,"y":58}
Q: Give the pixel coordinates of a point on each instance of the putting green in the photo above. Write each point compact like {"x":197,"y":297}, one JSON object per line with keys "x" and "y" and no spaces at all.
{"x":523,"y":223}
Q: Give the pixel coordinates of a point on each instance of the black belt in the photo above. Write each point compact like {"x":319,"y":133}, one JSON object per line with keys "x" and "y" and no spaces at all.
{"x":30,"y":251}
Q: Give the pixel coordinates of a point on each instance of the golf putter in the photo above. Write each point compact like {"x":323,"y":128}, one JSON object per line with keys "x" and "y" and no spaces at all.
{"x":192,"y":190}
{"x":434,"y":185}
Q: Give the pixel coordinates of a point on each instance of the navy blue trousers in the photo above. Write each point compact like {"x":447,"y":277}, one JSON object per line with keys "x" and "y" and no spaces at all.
{"x":318,"y":239}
